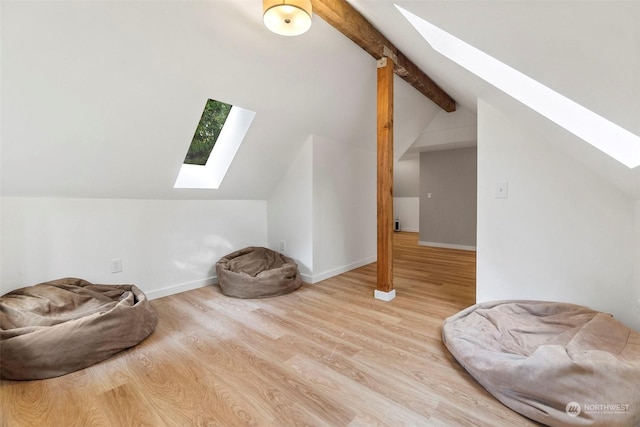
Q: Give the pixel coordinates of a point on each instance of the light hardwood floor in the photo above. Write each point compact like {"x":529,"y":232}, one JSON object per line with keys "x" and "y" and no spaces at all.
{"x":325,"y":355}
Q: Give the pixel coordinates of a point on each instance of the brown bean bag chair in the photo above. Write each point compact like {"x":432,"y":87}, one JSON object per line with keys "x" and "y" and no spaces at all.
{"x":556,"y":363}
{"x":58,"y":327}
{"x":257,"y":272}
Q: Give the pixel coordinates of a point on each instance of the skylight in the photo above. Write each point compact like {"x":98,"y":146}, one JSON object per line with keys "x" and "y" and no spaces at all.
{"x":221,"y":130}
{"x":211,"y":123}
{"x":606,"y":136}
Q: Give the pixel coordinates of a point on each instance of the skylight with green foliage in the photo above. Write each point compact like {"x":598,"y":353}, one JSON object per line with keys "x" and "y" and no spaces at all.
{"x":211,"y":123}
{"x":218,"y":136}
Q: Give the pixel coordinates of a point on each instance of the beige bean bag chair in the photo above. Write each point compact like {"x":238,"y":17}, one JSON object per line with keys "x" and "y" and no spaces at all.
{"x":559,"y":364}
{"x":257,"y":272}
{"x":58,"y":327}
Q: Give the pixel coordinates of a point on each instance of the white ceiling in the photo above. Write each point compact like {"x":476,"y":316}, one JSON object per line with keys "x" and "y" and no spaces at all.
{"x":101,"y":99}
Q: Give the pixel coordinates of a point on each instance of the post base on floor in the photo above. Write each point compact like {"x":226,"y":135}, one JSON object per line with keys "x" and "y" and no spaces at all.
{"x":384,"y":296}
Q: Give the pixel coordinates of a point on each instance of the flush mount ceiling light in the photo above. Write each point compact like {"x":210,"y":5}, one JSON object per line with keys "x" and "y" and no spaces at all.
{"x":287,"y":17}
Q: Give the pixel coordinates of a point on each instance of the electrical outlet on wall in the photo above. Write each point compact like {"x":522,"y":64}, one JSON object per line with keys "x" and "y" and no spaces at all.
{"x":282,"y":245}
{"x":116,"y":265}
{"x":501,"y":190}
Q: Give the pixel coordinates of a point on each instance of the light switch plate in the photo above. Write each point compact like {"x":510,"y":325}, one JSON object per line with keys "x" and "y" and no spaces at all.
{"x":116,"y":265}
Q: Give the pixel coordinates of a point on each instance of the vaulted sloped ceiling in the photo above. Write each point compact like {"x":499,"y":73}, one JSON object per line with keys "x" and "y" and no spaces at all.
{"x":588,"y":51}
{"x":101,"y":98}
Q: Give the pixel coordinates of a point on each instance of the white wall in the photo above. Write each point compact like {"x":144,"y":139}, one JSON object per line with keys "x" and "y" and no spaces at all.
{"x":324,"y":208}
{"x":344,"y":207}
{"x":406,"y":177}
{"x":563,"y":234}
{"x":636,"y":296}
{"x":407,"y":210}
{"x":406,"y":192}
{"x":166,"y":246}
{"x":289,"y":212}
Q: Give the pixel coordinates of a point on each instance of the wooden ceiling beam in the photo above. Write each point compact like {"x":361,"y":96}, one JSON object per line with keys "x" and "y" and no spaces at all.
{"x":346,"y":19}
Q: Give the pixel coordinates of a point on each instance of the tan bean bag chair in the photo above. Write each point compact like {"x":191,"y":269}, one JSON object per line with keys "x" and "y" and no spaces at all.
{"x":257,"y":272}
{"x":556,"y":363}
{"x":57,"y":327}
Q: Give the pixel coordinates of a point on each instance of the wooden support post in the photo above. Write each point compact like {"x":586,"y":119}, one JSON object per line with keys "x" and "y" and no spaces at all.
{"x":385,"y":180}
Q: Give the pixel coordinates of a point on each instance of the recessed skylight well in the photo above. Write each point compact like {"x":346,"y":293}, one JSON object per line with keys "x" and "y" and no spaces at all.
{"x":218,"y":136}
{"x":603,"y":134}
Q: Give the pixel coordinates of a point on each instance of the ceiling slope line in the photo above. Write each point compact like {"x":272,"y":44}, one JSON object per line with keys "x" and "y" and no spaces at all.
{"x":608,"y":137}
{"x":346,"y":19}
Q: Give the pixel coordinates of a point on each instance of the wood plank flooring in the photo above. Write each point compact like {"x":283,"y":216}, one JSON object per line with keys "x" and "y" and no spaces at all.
{"x":325,"y":355}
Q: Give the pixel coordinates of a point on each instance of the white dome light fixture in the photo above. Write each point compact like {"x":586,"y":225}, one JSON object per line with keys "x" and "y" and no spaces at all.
{"x":287,"y":17}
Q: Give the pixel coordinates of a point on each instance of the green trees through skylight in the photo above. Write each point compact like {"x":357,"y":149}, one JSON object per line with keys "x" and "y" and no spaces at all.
{"x":213,"y":117}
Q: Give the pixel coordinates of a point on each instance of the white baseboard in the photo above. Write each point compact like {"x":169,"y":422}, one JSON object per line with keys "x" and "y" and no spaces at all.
{"x":183,"y":287}
{"x":409,"y":230}
{"x":334,"y":272}
{"x":384,"y":296}
{"x":448,"y":246}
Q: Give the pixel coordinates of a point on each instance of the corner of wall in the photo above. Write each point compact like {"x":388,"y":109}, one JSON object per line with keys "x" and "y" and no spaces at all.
{"x":289,"y":211}
{"x":324,"y":209}
{"x":344,"y":206}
